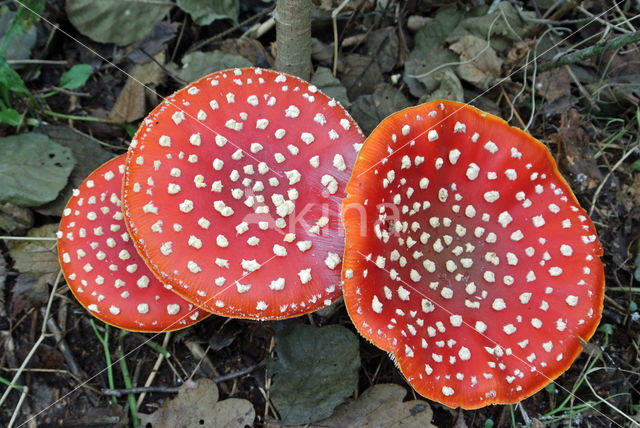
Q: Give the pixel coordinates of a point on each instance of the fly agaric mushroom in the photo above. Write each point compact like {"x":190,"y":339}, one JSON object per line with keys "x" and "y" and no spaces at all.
{"x":467,"y":256}
{"x":102,"y":267}
{"x":232,"y":193}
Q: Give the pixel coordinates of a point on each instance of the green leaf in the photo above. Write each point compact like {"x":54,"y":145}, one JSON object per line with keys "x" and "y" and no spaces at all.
{"x":198,"y":64}
{"x":10,"y":116}
{"x":316,"y":370}
{"x":204,"y":12}
{"x":88,"y":154}
{"x":33,"y":169}
{"x":75,"y":77}
{"x":116,"y":21}
{"x":11,"y":80}
{"x":16,"y":43}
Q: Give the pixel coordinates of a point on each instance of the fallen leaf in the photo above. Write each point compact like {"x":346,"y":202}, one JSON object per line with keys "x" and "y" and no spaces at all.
{"x":130,"y":105}
{"x":384,"y":46}
{"x":554,"y":84}
{"x":89,"y":155}
{"x":154,"y":43}
{"x":330,"y":86}
{"x":33,"y":169}
{"x":37,"y":265}
{"x":316,"y":369}
{"x":14,"y":219}
{"x":250,"y":49}
{"x":479,"y":63}
{"x":116,"y":21}
{"x":204,"y":12}
{"x":380,"y":406}
{"x":361,"y":75}
{"x":20,"y":45}
{"x":502,"y":27}
{"x":197,"y":405}
{"x":429,"y":52}
{"x":369,"y":110}
{"x":198,"y":64}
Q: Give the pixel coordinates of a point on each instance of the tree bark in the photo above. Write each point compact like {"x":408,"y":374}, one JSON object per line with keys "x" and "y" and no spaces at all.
{"x":293,"y":37}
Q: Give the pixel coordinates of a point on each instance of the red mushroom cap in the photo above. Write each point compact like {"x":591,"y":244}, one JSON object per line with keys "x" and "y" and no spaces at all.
{"x":102,"y":267}
{"x":467,"y":256}
{"x":232,"y":193}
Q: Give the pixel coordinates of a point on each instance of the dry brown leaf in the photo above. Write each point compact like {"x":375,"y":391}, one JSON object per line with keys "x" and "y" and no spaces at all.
{"x":380,"y":406}
{"x":130,"y":105}
{"x":554,"y":84}
{"x":197,"y":405}
{"x":481,"y":66}
{"x":37,"y":265}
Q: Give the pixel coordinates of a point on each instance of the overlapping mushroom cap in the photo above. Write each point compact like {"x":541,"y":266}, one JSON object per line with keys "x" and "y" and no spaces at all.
{"x":102,"y":267}
{"x":232,"y":193}
{"x":467,"y":256}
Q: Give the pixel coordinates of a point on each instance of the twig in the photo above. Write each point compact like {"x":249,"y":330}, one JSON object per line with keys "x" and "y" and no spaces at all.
{"x":64,"y":348}
{"x":35,"y":346}
{"x":597,"y":49}
{"x":599,"y":189}
{"x":154,"y":370}
{"x":175,"y":389}
{"x":35,"y":61}
{"x":225,"y":33}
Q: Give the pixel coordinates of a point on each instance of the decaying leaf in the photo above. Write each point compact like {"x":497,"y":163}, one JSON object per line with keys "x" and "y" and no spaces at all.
{"x":20,"y":45}
{"x":89,"y":155}
{"x":384,"y":46}
{"x":479,"y":63}
{"x":380,"y":406}
{"x":197,"y":405}
{"x":116,"y":21}
{"x":250,"y":49}
{"x":33,"y":169}
{"x":130,"y":105}
{"x":369,"y":110}
{"x":316,"y":370}
{"x":204,"y":12}
{"x":37,"y":265}
{"x":554,"y":84}
{"x":429,"y":52}
{"x":15,"y":219}
{"x":361,"y":75}
{"x":198,"y":64}
{"x":329,"y":85}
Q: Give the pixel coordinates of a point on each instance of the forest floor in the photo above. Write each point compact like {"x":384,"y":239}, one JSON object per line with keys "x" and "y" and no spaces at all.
{"x":568,"y":72}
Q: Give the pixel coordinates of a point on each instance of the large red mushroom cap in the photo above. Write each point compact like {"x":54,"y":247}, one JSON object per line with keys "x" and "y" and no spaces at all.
{"x":232,"y":193}
{"x":102,"y":267}
{"x":467,"y":256}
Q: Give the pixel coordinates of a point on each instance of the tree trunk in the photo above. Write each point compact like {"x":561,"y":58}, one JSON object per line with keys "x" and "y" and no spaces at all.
{"x":293,"y":37}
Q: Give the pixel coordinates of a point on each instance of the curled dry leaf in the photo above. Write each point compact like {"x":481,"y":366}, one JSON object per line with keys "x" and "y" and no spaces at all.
{"x":480,"y":64}
{"x":197,"y":405}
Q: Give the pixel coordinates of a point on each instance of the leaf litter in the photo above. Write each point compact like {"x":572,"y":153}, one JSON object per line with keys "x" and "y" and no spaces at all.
{"x":585,"y":112}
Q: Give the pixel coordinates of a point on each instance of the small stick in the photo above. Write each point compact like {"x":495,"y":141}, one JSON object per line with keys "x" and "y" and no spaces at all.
{"x":154,"y":370}
{"x":175,"y":389}
{"x":600,"y":47}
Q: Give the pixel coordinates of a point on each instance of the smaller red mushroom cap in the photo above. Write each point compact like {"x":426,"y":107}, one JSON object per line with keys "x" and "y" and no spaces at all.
{"x":232,"y":193}
{"x":102,"y":267}
{"x":467,"y":256}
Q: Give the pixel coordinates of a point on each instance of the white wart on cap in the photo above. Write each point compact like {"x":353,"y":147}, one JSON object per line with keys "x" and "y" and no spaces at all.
{"x":102,"y":267}
{"x":477,"y":269}
{"x":232,"y":193}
